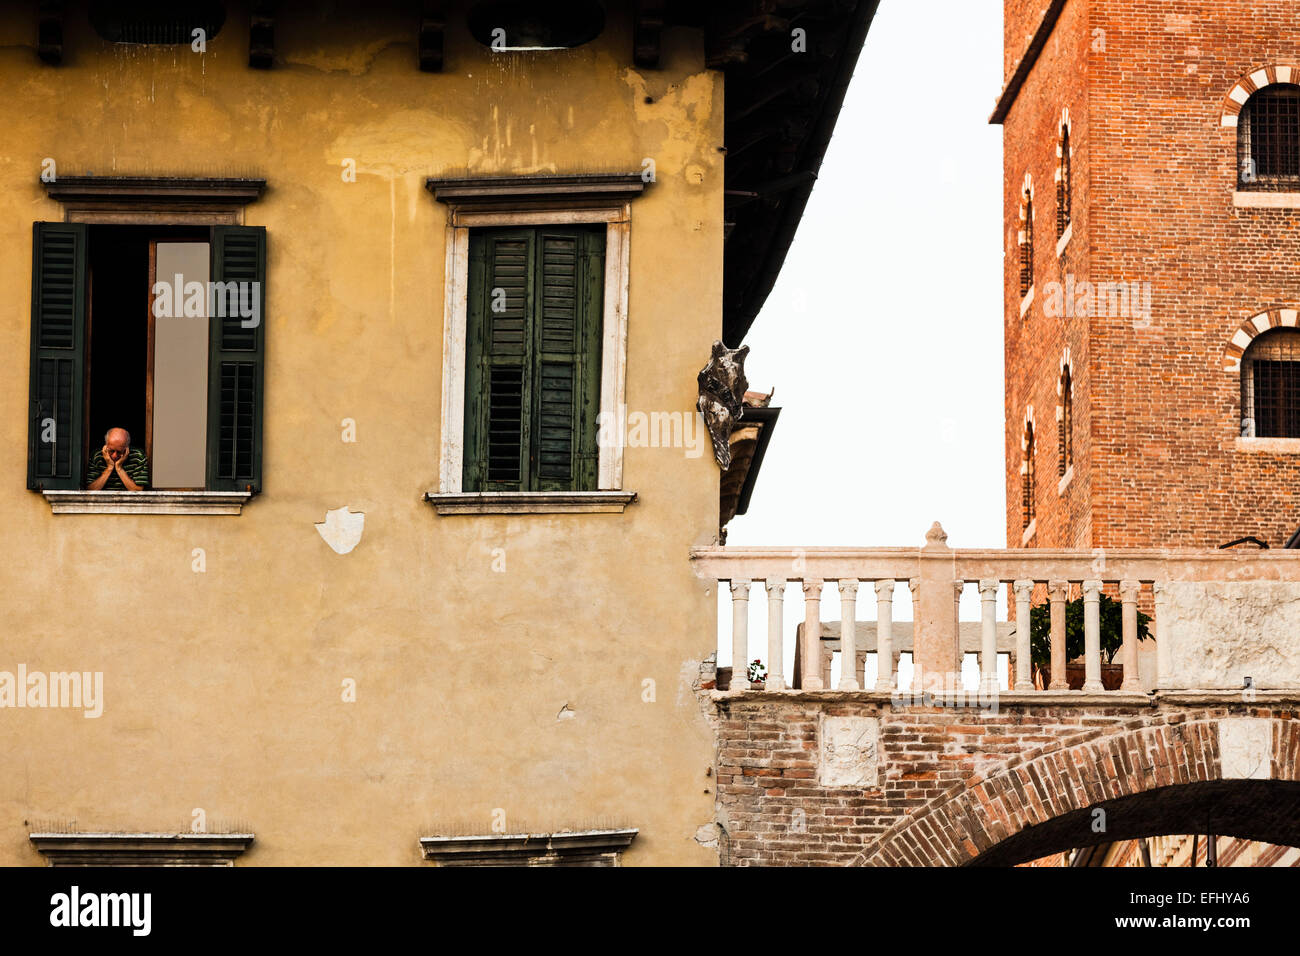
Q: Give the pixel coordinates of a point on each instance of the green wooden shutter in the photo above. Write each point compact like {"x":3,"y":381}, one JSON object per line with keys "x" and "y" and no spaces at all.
{"x":237,"y":359}
{"x":498,"y":370}
{"x":58,"y":345}
{"x":533,"y":359}
{"x":566,"y":389}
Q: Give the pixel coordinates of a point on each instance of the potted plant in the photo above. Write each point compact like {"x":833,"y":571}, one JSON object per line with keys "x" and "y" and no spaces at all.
{"x":757,"y":674}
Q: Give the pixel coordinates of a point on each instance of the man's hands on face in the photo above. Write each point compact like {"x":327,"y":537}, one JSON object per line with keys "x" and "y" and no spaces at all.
{"x":114,"y":459}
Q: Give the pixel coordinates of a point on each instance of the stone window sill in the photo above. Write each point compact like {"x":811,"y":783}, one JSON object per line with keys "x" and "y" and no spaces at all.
{"x":1065,"y":481}
{"x":1276,"y":446}
{"x":141,"y":849}
{"x":530,"y":502}
{"x":1029,"y":533}
{"x":1026,"y":302}
{"x":584,"y":848}
{"x":1266,"y":200}
{"x":147,"y":502}
{"x":1064,"y":240}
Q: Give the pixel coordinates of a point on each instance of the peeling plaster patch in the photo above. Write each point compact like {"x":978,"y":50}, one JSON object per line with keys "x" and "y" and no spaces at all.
{"x":709,"y":835}
{"x":1245,"y":748}
{"x":566,"y":713}
{"x":342,"y":529}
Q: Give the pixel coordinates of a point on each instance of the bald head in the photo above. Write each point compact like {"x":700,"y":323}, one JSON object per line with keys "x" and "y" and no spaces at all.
{"x":118,"y":443}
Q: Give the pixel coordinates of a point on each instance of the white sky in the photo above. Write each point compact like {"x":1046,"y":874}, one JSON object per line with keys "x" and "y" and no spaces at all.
{"x":883,"y":336}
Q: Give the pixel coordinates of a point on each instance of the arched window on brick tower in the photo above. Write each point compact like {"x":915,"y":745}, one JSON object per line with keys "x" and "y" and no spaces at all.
{"x":1065,"y":425}
{"x":1063,"y":184}
{"x":1026,"y":241}
{"x":1270,"y":385}
{"x":1268,"y":139}
{"x":1027,"y":476}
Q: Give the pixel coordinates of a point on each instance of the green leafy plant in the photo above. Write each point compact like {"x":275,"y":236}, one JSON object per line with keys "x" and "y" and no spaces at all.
{"x":757,"y":671}
{"x":1111,"y":613}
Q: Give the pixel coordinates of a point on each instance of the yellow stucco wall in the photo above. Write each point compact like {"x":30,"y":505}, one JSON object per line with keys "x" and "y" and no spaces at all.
{"x":223,"y":688}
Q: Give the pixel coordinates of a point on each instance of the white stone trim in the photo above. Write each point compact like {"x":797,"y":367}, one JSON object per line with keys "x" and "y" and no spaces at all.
{"x":1028,"y":534}
{"x":1026,"y":302}
{"x":530,"y":502}
{"x":1065,"y":481}
{"x":74,"y":502}
{"x":1272,"y":446}
{"x":1065,"y":238}
{"x":1265,"y":200}
{"x":613,"y":371}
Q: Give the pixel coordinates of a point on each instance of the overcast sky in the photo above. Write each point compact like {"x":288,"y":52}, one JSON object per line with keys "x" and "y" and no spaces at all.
{"x":883,"y":336}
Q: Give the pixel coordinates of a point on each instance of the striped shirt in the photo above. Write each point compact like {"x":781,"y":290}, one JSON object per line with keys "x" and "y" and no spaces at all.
{"x":136,"y":466}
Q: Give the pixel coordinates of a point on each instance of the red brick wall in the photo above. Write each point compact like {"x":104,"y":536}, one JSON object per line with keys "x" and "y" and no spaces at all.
{"x":955,"y":782}
{"x":1157,"y":417}
{"x":1035,"y":343}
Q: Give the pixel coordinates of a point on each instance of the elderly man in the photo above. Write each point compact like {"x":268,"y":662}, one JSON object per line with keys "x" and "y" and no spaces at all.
{"x":117,"y":466}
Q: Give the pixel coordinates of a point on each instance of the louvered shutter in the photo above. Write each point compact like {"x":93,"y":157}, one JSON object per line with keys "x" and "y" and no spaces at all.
{"x":498,"y":380}
{"x":237,"y":354}
{"x":566,"y":386}
{"x":58,"y":346}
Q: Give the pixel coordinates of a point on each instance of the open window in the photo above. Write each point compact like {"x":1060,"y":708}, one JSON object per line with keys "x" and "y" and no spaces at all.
{"x":157,"y":329}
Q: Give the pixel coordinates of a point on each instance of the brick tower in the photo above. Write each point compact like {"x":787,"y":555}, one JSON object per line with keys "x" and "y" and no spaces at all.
{"x":1152,"y":200}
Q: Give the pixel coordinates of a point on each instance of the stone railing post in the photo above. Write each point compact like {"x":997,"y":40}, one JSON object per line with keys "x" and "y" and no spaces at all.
{"x":1024,"y":650}
{"x":934,"y":642}
{"x":884,"y":635}
{"x":1128,"y":592}
{"x":775,"y":636}
{"x":1092,"y":637}
{"x":739,"y":635}
{"x":1164,"y":646}
{"x":1057,"y":592}
{"x":988,"y":636}
{"x":849,"y":636}
{"x":812,"y":635}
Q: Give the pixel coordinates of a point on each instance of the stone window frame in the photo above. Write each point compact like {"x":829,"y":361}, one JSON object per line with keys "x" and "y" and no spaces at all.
{"x":1065,"y":421}
{"x":1231,"y":106}
{"x":1064,"y":182}
{"x":1028,"y":474}
{"x":1235,"y":350}
{"x":477,"y":203}
{"x":1025,"y":243}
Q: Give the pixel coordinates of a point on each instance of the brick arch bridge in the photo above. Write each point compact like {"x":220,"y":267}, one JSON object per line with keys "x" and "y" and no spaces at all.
{"x":961,"y":787}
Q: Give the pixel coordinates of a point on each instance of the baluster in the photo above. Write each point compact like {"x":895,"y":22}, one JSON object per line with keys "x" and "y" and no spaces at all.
{"x":884,"y":635}
{"x":812,"y":635}
{"x":739,"y":634}
{"x":1092,"y":637}
{"x":1057,"y":592}
{"x":1024,"y":650}
{"x":849,"y":635}
{"x":1128,"y":592}
{"x":988,"y":636}
{"x":775,"y":641}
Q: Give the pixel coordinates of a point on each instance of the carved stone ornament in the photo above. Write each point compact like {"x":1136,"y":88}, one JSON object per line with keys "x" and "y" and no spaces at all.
{"x":722,"y":397}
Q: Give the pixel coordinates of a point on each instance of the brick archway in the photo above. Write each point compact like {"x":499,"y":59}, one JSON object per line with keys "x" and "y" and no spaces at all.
{"x":1106,"y":768}
{"x":1250,"y":84}
{"x":1255,"y":325}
